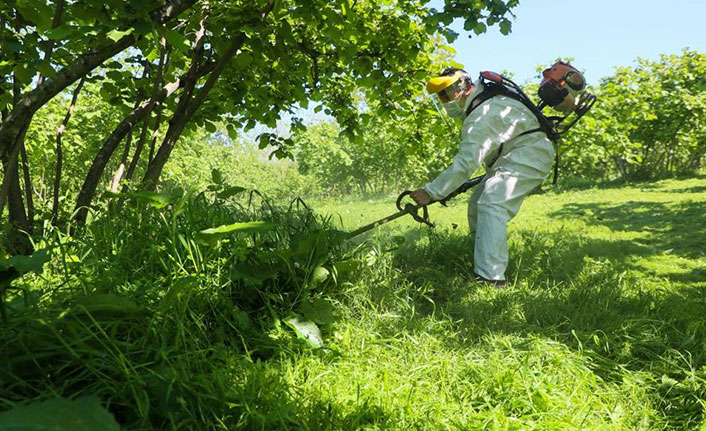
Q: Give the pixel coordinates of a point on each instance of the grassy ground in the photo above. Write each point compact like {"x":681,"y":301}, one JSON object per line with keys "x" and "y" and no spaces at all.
{"x":602,"y":325}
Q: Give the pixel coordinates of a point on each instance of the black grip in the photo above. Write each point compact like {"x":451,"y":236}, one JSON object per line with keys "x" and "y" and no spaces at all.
{"x":413,"y":210}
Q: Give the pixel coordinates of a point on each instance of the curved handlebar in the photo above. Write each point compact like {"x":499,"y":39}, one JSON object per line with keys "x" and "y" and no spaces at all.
{"x":413,"y":210}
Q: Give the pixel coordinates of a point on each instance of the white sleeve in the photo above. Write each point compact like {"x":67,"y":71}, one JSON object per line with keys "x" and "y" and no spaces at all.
{"x":481,"y":135}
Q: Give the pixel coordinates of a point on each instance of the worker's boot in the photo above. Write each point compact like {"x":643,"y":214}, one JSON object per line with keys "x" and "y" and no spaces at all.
{"x":500,"y":284}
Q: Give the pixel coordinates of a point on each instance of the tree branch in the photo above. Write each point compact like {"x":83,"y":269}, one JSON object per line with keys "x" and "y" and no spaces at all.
{"x":83,"y":65}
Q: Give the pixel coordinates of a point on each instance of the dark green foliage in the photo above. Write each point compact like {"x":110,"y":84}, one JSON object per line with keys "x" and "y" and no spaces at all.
{"x":83,"y":414}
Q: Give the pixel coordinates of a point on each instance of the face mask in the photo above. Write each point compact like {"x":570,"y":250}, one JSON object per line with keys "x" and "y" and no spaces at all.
{"x":453,"y":109}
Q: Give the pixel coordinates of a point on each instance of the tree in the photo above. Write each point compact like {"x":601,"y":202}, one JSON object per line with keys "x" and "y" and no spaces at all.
{"x":284,"y":54}
{"x":648,"y":122}
{"x":34,"y":32}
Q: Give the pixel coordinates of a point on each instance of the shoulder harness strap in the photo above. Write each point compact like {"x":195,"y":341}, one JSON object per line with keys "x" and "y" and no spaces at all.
{"x":495,"y":84}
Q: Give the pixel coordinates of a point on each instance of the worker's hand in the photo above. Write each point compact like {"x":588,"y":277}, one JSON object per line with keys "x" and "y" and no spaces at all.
{"x":421,"y":197}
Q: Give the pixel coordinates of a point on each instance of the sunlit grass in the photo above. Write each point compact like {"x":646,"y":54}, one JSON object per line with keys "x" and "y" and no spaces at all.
{"x":611,"y":282}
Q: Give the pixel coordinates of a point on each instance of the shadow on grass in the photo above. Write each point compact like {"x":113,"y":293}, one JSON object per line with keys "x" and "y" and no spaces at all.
{"x":696,"y":189}
{"x":589,"y":294}
{"x":577,"y":184}
{"x":665,"y":227}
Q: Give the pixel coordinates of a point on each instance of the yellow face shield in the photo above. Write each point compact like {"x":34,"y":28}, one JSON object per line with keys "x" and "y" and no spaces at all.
{"x":447,"y":88}
{"x":439,"y":83}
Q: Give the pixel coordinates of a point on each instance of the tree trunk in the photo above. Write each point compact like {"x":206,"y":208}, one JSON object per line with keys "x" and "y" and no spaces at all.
{"x":19,"y":139}
{"x":115,"y":183}
{"x":128,"y":144}
{"x":87,"y":192}
{"x":11,"y":189}
{"x":27,"y":188}
{"x":163,"y":64}
{"x":185,"y":110}
{"x":155,"y":134}
{"x":159,"y":77}
{"x":138,"y":149}
{"x":59,"y":151}
{"x":18,"y":242}
{"x":178,"y":121}
{"x":695,"y":160}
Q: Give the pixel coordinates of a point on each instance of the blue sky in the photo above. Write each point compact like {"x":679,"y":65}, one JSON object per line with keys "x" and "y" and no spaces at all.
{"x":599,"y":34}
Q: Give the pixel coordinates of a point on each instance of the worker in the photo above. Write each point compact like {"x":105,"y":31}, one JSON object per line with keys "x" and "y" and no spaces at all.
{"x":504,"y":135}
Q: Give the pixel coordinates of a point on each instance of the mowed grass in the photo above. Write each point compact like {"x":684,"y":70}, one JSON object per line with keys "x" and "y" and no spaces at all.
{"x":602,"y":326}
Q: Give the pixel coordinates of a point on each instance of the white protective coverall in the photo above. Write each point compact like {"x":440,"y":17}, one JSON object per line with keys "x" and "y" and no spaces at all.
{"x":523,"y":164}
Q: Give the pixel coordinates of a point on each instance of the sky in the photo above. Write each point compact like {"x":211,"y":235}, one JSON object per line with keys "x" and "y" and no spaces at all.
{"x":598,"y":34}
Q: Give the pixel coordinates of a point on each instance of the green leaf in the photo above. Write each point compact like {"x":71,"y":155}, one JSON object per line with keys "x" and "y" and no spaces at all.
{"x":345,"y":267}
{"x":232,"y":133}
{"x":108,"y":91}
{"x":114,"y":75}
{"x":60,"y":414}
{"x":24,"y":264}
{"x":243,"y":60}
{"x":153,"y":55}
{"x":60,"y":33}
{"x":143,"y":28}
{"x":11,"y":45}
{"x":216,"y":176}
{"x":306,"y":330}
{"x":310,"y":248}
{"x":115,"y":35}
{"x":479,"y":28}
{"x":319,"y":310}
{"x":253,"y":275}
{"x":155,"y":199}
{"x":46,"y":69}
{"x":107,"y":302}
{"x":230,"y":191}
{"x":319,"y":275}
{"x":177,"y":40}
{"x":210,"y":127}
{"x":14,"y":267}
{"x":36,"y":12}
{"x":505,"y":27}
{"x":450,"y":35}
{"x":210,"y":236}
{"x":24,"y":72}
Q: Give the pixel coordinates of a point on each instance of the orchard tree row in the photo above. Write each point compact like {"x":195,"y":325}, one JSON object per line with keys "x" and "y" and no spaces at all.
{"x":650,"y":122}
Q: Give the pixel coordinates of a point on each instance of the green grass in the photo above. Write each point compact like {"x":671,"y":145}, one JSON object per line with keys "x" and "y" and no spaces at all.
{"x":607,"y":303}
{"x":602,"y":326}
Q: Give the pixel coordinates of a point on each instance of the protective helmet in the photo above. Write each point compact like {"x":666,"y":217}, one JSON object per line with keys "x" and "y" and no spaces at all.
{"x":451,"y":82}
{"x":561,"y":85}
